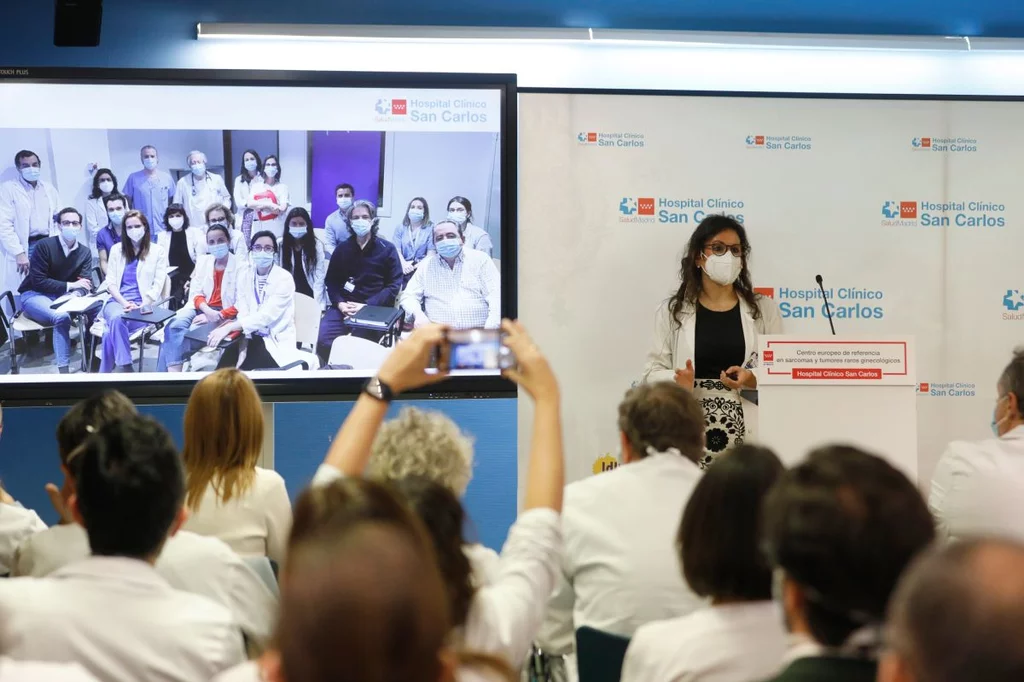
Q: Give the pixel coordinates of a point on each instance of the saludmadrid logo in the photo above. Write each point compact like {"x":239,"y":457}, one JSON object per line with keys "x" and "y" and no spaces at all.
{"x":627,"y":140}
{"x":964,"y":214}
{"x":780,"y":143}
{"x":956,"y":145}
{"x":1013,"y":304}
{"x":677,"y":211}
{"x":431,"y":110}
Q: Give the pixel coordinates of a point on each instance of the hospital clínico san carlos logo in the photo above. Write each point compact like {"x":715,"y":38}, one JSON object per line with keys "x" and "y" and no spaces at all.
{"x":954,"y":214}
{"x":684,"y":211}
{"x":780,"y":143}
{"x":392,"y":107}
{"x":956,"y":145}
{"x":623,"y":140}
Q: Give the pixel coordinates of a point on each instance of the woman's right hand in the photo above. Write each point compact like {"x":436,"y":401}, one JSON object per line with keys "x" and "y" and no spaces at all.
{"x":532,"y":370}
{"x":684,"y":377}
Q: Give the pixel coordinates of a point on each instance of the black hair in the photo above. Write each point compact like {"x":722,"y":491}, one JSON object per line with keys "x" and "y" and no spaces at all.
{"x":345,"y":185}
{"x":308,"y":242}
{"x":69,"y":209}
{"x":24,"y":154}
{"x":178,"y":209}
{"x":260,"y":235}
{"x":87,"y":416}
{"x":1012,"y":378}
{"x":843,"y":525}
{"x":442,"y":513}
{"x":461,"y":229}
{"x":245,"y":175}
{"x":115,"y":196}
{"x":718,"y":541}
{"x":130,"y":486}
{"x":280,"y":171}
{"x":96,"y":192}
{"x":465,"y":202}
{"x":426,"y":211}
{"x":690,"y":273}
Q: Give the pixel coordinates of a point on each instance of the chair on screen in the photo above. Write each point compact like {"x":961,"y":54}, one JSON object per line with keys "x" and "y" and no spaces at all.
{"x":357,"y":353}
{"x":307,"y":321}
{"x":16,"y":321}
{"x":148,"y":334}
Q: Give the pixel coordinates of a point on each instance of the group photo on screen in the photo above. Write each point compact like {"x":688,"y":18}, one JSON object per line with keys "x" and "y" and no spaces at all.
{"x":136,"y":250}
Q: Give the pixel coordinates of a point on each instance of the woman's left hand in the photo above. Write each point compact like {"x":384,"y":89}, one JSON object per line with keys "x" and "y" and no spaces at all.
{"x":744,"y":378}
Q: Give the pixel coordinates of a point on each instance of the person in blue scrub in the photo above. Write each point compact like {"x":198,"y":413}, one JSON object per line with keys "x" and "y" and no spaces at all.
{"x":150,"y":191}
{"x":336,"y":225}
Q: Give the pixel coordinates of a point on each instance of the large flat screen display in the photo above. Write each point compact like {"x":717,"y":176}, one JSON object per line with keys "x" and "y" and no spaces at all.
{"x":155,"y":226}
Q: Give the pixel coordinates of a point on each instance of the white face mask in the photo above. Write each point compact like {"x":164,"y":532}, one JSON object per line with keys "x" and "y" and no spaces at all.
{"x":106,"y":186}
{"x":136,"y":233}
{"x":344,"y":203}
{"x":723,"y":269}
{"x":176,"y":222}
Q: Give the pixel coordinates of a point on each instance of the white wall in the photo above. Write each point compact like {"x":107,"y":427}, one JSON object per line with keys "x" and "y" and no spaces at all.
{"x":76,"y":154}
{"x":173,"y":146}
{"x":438,"y":166}
{"x":294,"y":150}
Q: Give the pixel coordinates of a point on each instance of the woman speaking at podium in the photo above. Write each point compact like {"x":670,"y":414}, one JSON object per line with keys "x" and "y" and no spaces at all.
{"x":706,"y":333}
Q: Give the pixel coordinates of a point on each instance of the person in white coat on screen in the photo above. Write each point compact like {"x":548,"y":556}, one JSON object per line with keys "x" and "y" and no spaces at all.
{"x":620,"y":569}
{"x":705,"y":336}
{"x":978,"y":488}
{"x":270,"y":199}
{"x":266,"y":313}
{"x":28,"y":205}
{"x":302,"y":254}
{"x":200,"y":189}
{"x":221,"y":215}
{"x":104,"y":183}
{"x":740,"y":636}
{"x":113,"y":612}
{"x":246,"y":184}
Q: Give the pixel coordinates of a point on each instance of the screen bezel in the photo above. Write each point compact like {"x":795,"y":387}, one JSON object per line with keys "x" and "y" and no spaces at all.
{"x":172,"y":390}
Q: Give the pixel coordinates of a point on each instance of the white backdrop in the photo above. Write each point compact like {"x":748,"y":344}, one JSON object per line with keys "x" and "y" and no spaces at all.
{"x":821,"y":185}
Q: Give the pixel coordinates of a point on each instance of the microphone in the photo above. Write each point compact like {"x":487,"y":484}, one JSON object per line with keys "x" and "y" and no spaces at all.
{"x":828,"y":308}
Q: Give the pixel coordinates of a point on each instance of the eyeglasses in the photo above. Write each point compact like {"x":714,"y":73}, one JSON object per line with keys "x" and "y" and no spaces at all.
{"x":71,"y":223}
{"x":720,"y":249}
{"x":263,"y":249}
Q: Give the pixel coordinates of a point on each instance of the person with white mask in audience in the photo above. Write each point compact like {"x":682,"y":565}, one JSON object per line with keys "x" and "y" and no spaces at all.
{"x":739,"y":637}
{"x":27,"y":206}
{"x":958,"y":615}
{"x":104,"y":183}
{"x":620,"y":570}
{"x":16,"y":523}
{"x":200,"y":189}
{"x":336,"y":224}
{"x":839,"y":530}
{"x":460,"y":212}
{"x":189,"y":562}
{"x":428,"y":444}
{"x":150,"y":190}
{"x":112,"y":612}
{"x":978,"y":487}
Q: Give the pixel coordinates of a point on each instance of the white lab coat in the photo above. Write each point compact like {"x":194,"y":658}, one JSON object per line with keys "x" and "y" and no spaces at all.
{"x":151,"y":272}
{"x":120,"y":620}
{"x":32,"y":671}
{"x":265,"y":220}
{"x":243,"y":189}
{"x":212,"y":191}
{"x":95,"y":220}
{"x":236,"y":245}
{"x":189,"y":562}
{"x":731,"y":643}
{"x":315,"y":276}
{"x":15,"y":211}
{"x":620,"y":569}
{"x":16,"y":524}
{"x":202,"y":278}
{"x":274,"y":316}
{"x":978,"y":488}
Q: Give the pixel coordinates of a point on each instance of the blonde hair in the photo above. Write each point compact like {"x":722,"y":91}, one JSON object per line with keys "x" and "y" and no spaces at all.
{"x":223,"y":436}
{"x":423,"y":443}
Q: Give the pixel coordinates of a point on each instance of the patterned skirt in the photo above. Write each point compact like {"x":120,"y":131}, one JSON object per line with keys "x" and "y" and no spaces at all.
{"x":723,"y":418}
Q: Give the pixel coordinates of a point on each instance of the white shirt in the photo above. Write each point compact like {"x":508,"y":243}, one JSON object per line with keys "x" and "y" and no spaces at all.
{"x":620,"y":568}
{"x":485,"y":563}
{"x":978,"y":488}
{"x":265,"y":220}
{"x":16,"y":524}
{"x":121,"y":621}
{"x":462,"y":296}
{"x":189,"y":562}
{"x":730,"y":643}
{"x":198,"y":194}
{"x":31,"y":671}
{"x":254,"y":524}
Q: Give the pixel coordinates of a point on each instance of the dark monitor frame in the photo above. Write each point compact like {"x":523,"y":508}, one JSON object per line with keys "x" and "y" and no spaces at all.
{"x":167,"y":389}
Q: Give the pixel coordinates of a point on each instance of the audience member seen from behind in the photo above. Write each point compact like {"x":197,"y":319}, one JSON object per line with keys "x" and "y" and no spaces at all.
{"x":230,"y":497}
{"x":189,"y":562}
{"x":16,"y":524}
{"x":112,"y":612}
{"x":502,"y":618}
{"x":978,"y":488}
{"x":620,"y":570}
{"x":839,"y":531}
{"x":428,"y":444}
{"x":740,"y":636}
{"x":958,"y":615}
{"x":456,"y":286}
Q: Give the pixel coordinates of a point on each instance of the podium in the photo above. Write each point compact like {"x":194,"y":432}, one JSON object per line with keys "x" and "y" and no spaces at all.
{"x":854,"y":391}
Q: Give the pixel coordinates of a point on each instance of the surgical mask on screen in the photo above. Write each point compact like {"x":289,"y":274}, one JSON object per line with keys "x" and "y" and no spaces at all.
{"x":149,"y":163}
{"x":218,"y":251}
{"x":198,"y":169}
{"x":271,"y":171}
{"x":344,"y":203}
{"x":415,"y":214}
{"x":723,"y":269}
{"x":30,"y":173}
{"x":361,"y":227}
{"x":116,"y":217}
{"x":297,"y":232}
{"x":250,"y":165}
{"x":457,"y":217}
{"x":449,"y":248}
{"x":262,"y":258}
{"x":136,"y":234}
{"x":106,"y":186}
{"x":176,"y":222}
{"x":70,"y":233}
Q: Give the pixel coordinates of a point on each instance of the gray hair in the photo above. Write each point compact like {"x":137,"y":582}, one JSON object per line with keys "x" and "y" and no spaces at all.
{"x":195,"y":152}
{"x":1012,"y":378}
{"x":369,"y":205}
{"x":958,"y":613}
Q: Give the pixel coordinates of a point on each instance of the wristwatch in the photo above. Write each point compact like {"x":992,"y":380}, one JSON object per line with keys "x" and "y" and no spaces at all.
{"x":378,"y":390}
